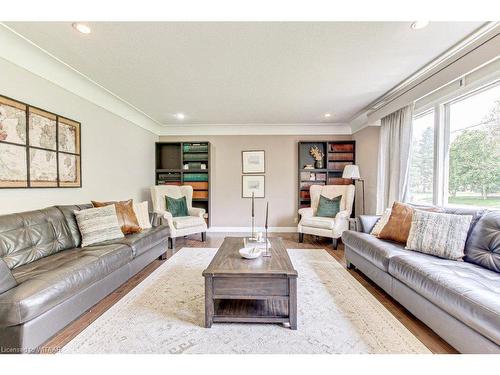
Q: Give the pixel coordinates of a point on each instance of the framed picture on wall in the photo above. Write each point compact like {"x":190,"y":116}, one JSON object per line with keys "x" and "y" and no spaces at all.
{"x":253,"y":184}
{"x":253,"y":161}
{"x":38,"y":149}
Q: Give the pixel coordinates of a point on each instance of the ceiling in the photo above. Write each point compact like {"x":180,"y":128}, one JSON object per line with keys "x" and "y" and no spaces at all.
{"x":247,"y":73}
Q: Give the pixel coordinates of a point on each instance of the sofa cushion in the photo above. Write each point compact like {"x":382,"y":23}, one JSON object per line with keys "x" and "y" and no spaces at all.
{"x":145,"y":240}
{"x":466,"y":291}
{"x":483,"y":245}
{"x":182,"y":222}
{"x":7,"y":281}
{"x":371,"y":248}
{"x":28,"y":236}
{"x":318,"y":222}
{"x":49,"y":281}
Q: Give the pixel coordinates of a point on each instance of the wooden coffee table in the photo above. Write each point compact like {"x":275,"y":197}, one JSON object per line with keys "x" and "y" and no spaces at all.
{"x":262,"y":290}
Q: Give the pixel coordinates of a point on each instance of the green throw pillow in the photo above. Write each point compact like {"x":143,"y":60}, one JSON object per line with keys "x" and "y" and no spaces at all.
{"x":177,"y":207}
{"x":328,"y":207}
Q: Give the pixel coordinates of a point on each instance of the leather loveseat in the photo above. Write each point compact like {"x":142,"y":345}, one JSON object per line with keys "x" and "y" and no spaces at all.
{"x":459,"y":300}
{"x":47,"y":280}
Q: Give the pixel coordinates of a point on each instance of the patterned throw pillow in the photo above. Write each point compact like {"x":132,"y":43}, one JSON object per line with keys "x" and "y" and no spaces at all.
{"x":177,"y":207}
{"x":399,"y":223}
{"x":98,"y":225}
{"x":141,"y":211}
{"x":125,"y":213}
{"x":381,"y":222}
{"x":328,"y":207}
{"x":439,"y":234}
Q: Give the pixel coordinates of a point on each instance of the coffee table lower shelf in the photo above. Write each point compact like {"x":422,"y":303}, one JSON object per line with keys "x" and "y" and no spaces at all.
{"x":251,"y":311}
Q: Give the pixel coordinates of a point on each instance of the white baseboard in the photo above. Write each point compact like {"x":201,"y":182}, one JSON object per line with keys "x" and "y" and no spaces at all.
{"x":249,"y":229}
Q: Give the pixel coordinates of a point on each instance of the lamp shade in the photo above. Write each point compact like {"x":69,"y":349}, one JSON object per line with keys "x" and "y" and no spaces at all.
{"x":351,"y":171}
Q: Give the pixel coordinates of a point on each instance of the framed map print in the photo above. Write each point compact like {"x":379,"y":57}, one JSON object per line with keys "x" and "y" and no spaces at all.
{"x":13,"y":166}
{"x":38,"y":149}
{"x":69,"y":170}
{"x":42,"y":129}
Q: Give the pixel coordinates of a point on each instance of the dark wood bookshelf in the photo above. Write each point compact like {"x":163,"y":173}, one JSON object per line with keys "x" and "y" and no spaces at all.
{"x":171,"y":160}
{"x":337,"y":154}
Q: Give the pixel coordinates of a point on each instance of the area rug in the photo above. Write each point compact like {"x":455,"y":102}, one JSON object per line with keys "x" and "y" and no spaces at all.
{"x":165,"y":314}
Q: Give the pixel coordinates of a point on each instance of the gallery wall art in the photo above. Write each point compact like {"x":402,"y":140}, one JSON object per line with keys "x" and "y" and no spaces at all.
{"x":38,"y":149}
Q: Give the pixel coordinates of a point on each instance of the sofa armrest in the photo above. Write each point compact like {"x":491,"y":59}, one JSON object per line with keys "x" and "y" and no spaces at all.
{"x":306,"y":212}
{"x":167,"y":216}
{"x":196,"y":211}
{"x":154,"y":219}
{"x":367,"y":222}
{"x":342,"y":215}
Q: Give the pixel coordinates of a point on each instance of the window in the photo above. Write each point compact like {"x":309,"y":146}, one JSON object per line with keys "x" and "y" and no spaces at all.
{"x":421,"y":182}
{"x":474,"y":150}
{"x":455,"y":157}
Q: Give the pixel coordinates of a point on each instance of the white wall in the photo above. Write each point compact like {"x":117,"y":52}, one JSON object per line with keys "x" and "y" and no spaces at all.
{"x":117,"y":156}
{"x":367,"y":141}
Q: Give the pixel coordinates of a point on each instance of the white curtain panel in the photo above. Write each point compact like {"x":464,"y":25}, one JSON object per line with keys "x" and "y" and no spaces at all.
{"x":394,"y":157}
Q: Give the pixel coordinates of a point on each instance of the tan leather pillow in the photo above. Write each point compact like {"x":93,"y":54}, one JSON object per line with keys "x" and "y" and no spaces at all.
{"x":126,"y":215}
{"x":397,"y":228}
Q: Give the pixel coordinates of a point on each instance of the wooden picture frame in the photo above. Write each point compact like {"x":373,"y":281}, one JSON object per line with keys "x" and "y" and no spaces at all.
{"x":33,"y":142}
{"x":255,"y":184}
{"x":253,"y":161}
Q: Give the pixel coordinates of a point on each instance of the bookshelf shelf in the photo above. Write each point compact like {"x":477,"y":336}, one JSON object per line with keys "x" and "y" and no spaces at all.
{"x":337,"y":154}
{"x":171,"y":157}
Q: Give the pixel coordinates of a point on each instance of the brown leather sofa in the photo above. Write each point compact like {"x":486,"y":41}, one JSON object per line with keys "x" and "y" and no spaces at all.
{"x":47,"y":280}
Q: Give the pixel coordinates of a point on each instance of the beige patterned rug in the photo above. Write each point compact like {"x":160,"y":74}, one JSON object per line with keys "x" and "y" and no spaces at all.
{"x":165,"y":314}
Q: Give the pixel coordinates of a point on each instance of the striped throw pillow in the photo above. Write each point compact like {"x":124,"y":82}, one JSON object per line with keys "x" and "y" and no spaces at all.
{"x":439,"y":234}
{"x":98,"y":225}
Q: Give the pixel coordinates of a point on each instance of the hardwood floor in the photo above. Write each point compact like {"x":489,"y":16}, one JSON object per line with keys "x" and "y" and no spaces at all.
{"x":420,"y":330}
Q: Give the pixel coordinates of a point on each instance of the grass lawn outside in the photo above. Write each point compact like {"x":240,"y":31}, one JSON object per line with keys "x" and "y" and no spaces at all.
{"x":463,"y":199}
{"x":491,"y":202}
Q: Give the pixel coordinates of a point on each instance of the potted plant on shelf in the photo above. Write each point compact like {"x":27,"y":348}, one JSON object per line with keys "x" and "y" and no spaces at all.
{"x":317,"y":155}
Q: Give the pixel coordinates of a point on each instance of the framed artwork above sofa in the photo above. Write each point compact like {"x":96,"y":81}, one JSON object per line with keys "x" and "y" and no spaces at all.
{"x":38,"y":148}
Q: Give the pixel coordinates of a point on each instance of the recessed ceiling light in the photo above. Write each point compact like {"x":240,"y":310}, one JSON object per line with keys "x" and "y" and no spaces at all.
{"x":180,"y":116}
{"x":328,"y":115}
{"x":419,"y":25}
{"x":81,"y":27}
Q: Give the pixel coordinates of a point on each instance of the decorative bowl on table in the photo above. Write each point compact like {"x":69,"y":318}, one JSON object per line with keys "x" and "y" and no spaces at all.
{"x":250,"y":252}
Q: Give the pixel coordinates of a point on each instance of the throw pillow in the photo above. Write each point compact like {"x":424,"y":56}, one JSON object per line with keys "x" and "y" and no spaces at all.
{"x":381,"y":222}
{"x":177,"y":207}
{"x":328,"y":207}
{"x":141,"y":211}
{"x":399,"y":223}
{"x":126,"y":216}
{"x":98,"y":225}
{"x":439,"y":234}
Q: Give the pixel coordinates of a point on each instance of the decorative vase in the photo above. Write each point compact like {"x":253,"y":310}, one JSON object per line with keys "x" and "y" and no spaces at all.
{"x":319,"y":164}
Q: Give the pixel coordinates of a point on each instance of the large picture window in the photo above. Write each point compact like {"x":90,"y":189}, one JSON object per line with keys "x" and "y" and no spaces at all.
{"x":421,"y":183}
{"x":474,"y":150}
{"x":455,"y":157}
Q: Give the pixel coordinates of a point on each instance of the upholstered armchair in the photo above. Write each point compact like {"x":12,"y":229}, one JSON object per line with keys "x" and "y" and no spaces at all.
{"x":181,"y":225}
{"x":326,"y":226}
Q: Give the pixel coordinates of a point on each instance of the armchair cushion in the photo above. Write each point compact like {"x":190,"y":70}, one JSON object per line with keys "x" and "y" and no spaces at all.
{"x":181,"y":222}
{"x":177,"y":207}
{"x":328,"y":207}
{"x":318,"y":222}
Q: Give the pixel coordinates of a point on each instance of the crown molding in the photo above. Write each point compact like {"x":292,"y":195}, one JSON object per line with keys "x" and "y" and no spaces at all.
{"x":22,"y":52}
{"x":467,"y":45}
{"x":256,"y":129}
